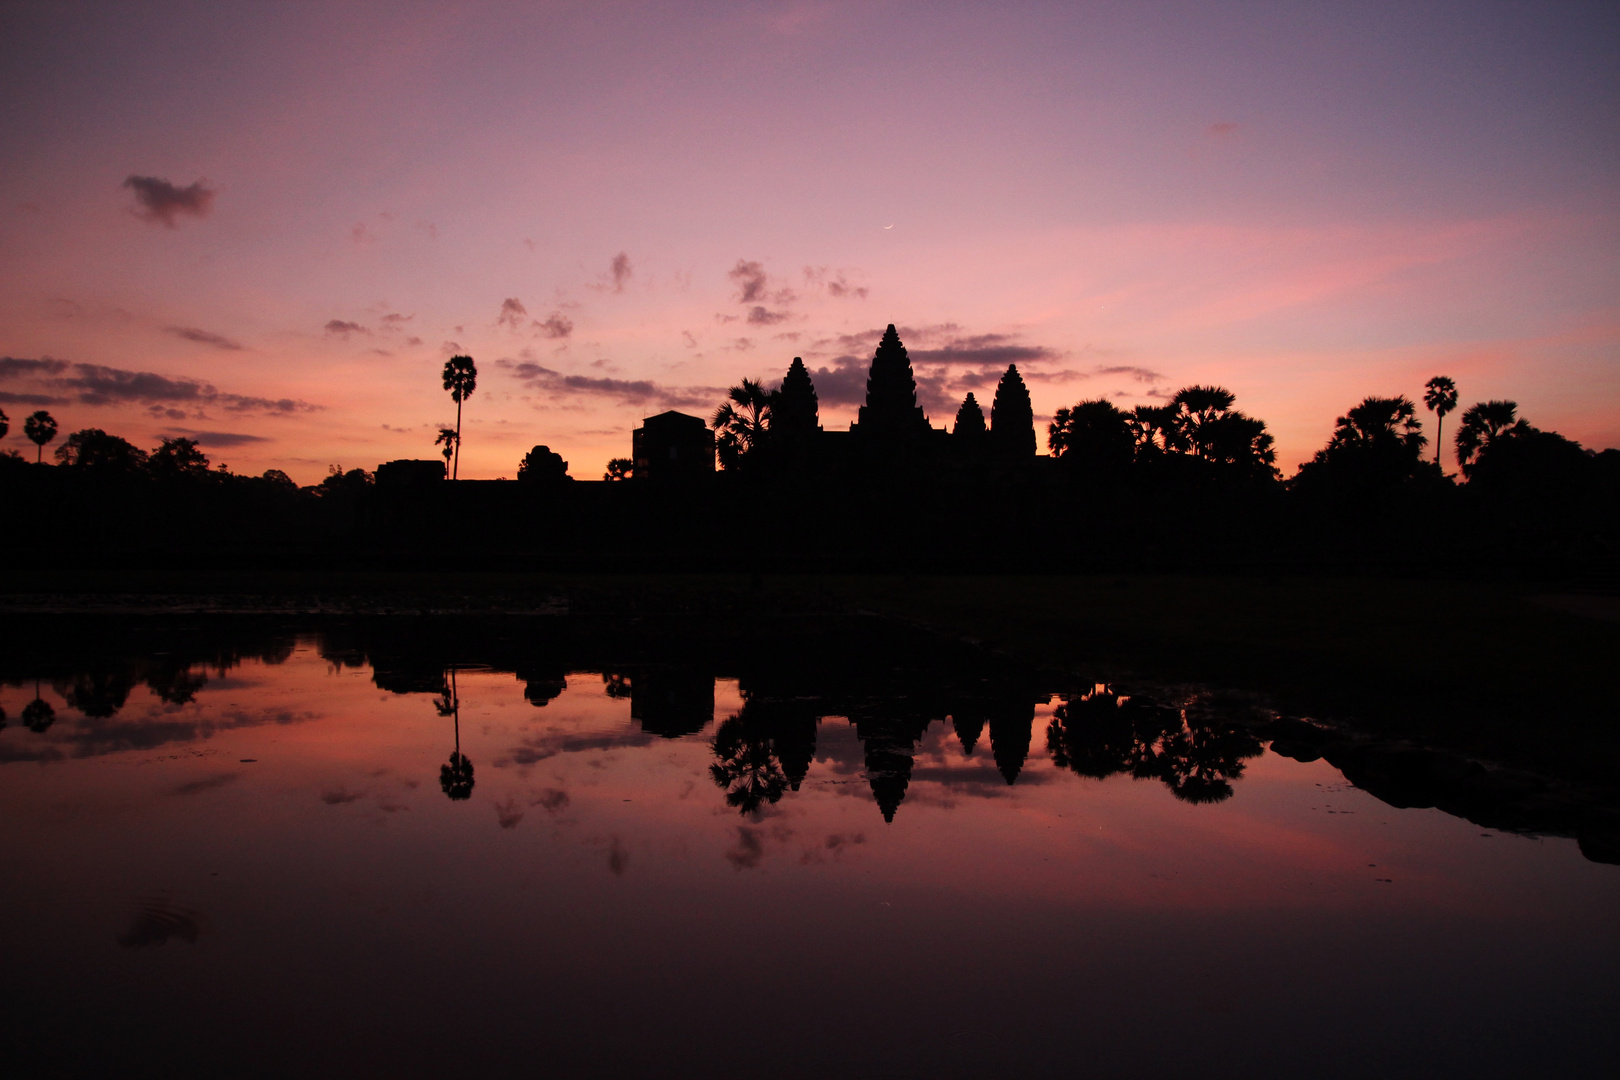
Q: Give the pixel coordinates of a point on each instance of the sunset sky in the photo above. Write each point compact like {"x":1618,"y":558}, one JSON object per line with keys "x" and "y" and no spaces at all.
{"x":266,"y":226}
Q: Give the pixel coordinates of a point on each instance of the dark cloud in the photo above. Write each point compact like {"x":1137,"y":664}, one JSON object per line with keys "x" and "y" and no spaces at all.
{"x":512,"y":313}
{"x":750,"y":279}
{"x":620,"y":272}
{"x":341,"y":797}
{"x":758,"y":315}
{"x":1140,"y":374}
{"x":95,"y":384}
{"x":394,"y":318}
{"x":753,"y":287}
{"x":557,"y":325}
{"x":204,"y":337}
{"x":161,"y":201}
{"x":980,"y":350}
{"x":629,"y":391}
{"x":835,"y":284}
{"x":7,"y":398}
{"x":842,"y":384}
{"x":220,"y":439}
{"x":343,"y":328}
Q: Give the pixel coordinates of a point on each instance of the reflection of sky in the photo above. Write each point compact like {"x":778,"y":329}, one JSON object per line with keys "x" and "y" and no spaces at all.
{"x":1307,"y":204}
{"x":597,"y":900}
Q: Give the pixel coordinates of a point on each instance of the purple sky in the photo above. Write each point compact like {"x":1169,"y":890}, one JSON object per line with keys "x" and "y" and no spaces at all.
{"x":618,"y":209}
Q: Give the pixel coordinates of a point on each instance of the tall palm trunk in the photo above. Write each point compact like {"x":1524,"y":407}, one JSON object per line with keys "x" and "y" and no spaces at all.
{"x":455,"y":472}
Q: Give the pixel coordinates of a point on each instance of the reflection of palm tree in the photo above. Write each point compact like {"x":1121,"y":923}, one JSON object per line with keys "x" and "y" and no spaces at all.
{"x":746,"y":766}
{"x":456,"y":778}
{"x":1199,"y":762}
{"x":38,"y":715}
{"x":1101,"y":733}
{"x":1440,"y":397}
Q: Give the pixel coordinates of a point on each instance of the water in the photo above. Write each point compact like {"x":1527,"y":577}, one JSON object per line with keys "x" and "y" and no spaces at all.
{"x":234,"y":850}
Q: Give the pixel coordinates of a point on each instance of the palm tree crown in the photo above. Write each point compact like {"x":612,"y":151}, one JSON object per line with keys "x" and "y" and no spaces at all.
{"x":1439,"y":397}
{"x":742,"y":424}
{"x":1482,"y":425}
{"x":40,"y":429}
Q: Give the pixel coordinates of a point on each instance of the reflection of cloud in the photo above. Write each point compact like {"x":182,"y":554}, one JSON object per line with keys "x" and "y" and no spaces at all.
{"x":618,"y":857}
{"x":508,"y":813}
{"x":341,"y":797}
{"x":95,"y":384}
{"x":540,"y":747}
{"x":197,"y":787}
{"x":162,"y":202}
{"x":553,"y":799}
{"x":204,"y":337}
{"x":157,"y":920}
{"x":749,"y":851}
{"x":981,"y":781}
{"x":116,"y":734}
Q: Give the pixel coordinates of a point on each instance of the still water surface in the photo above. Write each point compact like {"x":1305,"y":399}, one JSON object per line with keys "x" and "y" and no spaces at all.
{"x":271,"y":864}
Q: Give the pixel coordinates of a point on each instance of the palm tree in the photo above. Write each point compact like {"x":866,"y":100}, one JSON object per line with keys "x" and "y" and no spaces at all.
{"x":461,"y":379}
{"x":742,"y":424}
{"x":1192,"y":410}
{"x":1440,"y":397}
{"x":1152,"y":427}
{"x":1482,"y":425}
{"x":40,"y":429}
{"x":1381,"y":421}
{"x":449,"y":440}
{"x":455,"y":778}
{"x":5,"y":424}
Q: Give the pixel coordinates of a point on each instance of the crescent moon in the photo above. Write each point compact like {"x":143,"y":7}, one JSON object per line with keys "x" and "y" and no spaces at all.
{"x":888,"y":226}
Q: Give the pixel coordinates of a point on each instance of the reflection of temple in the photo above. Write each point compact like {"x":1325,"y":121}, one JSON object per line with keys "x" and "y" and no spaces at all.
{"x":891,"y":682}
{"x":672,"y":702}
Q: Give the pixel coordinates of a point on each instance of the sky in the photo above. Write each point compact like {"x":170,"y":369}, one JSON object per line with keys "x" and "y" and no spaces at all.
{"x":267,"y":225}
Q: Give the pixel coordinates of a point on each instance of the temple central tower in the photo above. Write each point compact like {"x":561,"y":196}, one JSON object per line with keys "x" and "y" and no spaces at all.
{"x":891,"y":409}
